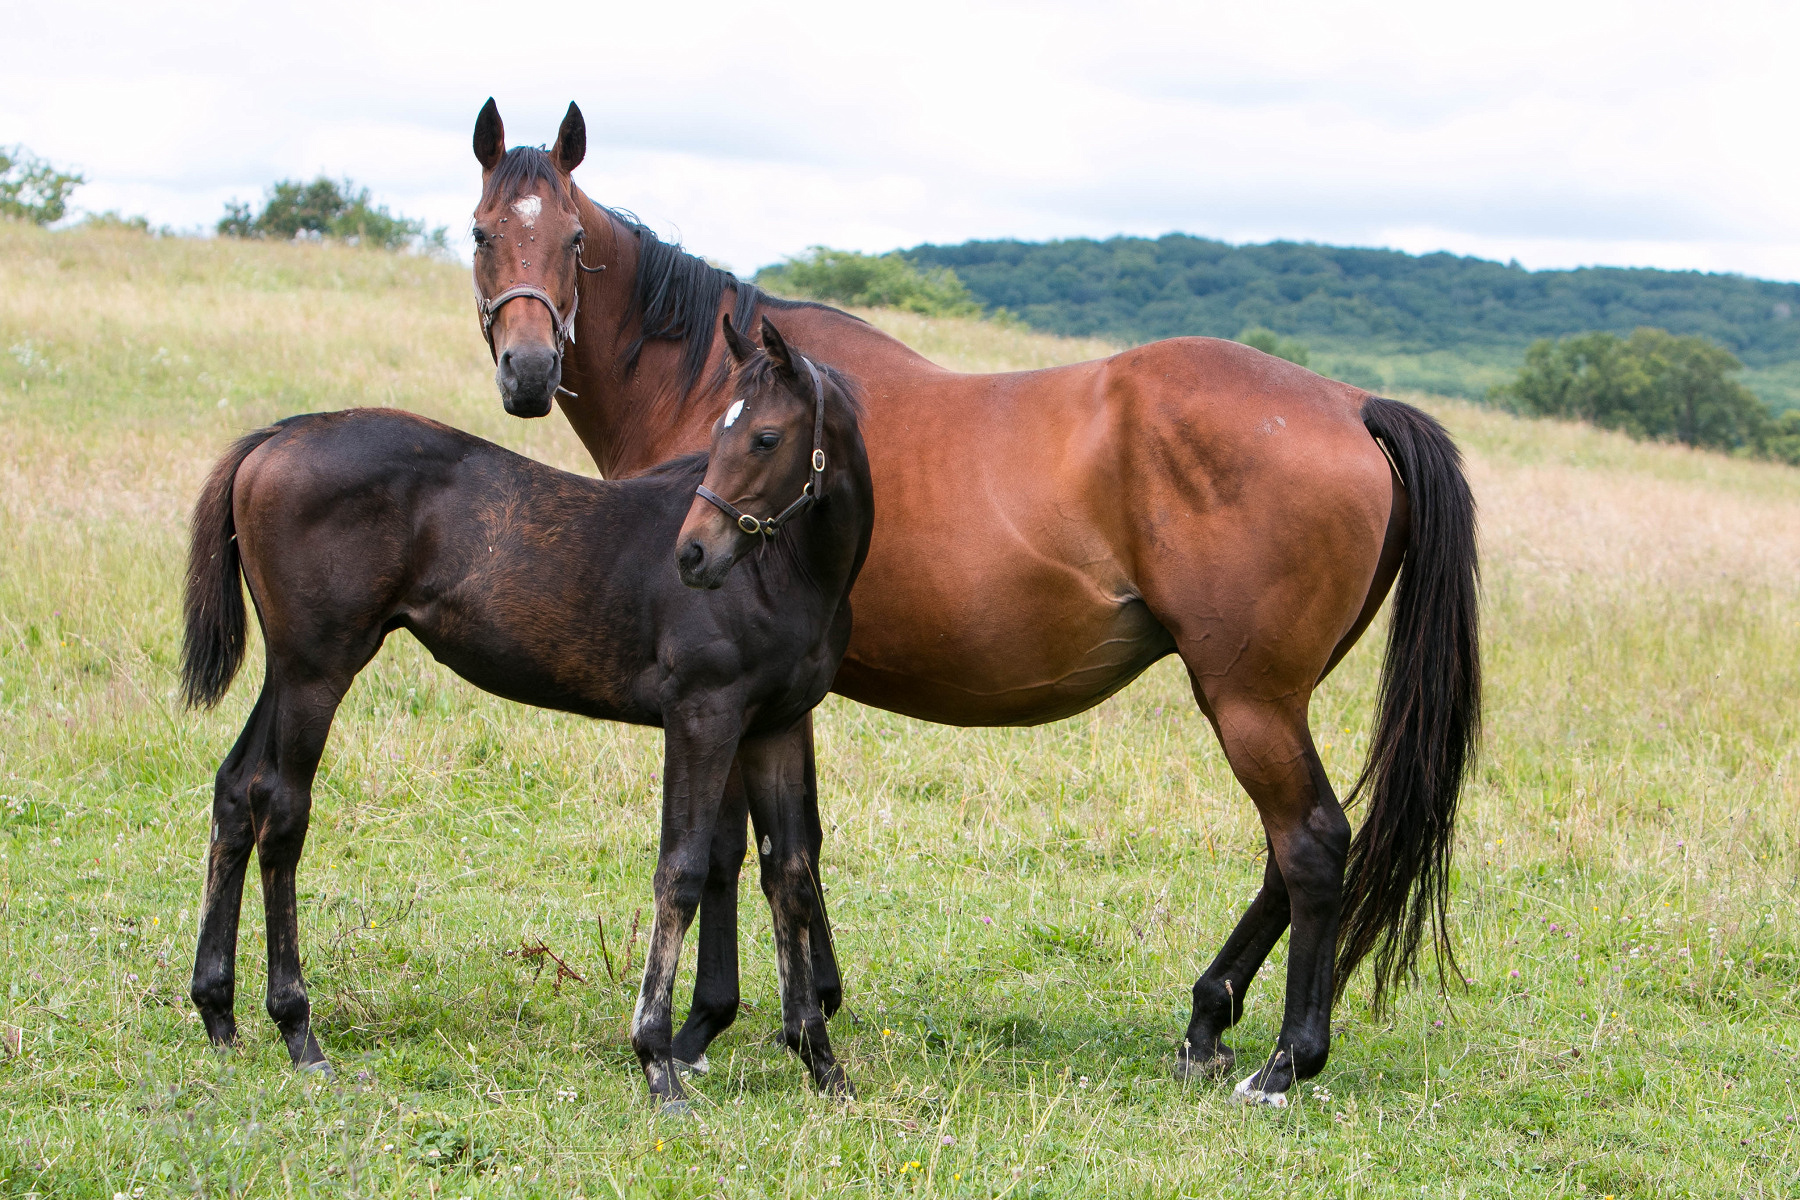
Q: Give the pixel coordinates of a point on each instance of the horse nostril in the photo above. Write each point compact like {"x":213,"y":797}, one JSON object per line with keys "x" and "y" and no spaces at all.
{"x":692,"y":555}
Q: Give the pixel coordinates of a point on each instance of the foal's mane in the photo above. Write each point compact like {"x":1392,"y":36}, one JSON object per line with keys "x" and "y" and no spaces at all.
{"x":759,"y":371}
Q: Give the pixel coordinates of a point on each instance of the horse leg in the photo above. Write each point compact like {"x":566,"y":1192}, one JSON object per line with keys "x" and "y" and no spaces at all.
{"x":776,"y":773}
{"x":1272,"y":754}
{"x":1219,"y":992}
{"x":715,"y":1004}
{"x":698,"y":748}
{"x":828,"y":981}
{"x":214,"y":987}
{"x":281,"y":812}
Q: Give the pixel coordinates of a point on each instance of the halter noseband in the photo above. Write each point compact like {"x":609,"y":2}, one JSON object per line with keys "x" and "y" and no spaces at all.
{"x":770,"y":526}
{"x":563,"y":327}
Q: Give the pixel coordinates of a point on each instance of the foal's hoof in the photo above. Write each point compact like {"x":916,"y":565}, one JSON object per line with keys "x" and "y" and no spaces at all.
{"x":698,"y":1067}
{"x":321,"y":1069}
{"x":1246,"y":1092}
{"x":1217,"y":1065}
{"x":676,"y":1109}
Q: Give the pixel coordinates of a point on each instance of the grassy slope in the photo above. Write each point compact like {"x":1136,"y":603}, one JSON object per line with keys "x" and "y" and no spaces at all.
{"x":1623,"y":909}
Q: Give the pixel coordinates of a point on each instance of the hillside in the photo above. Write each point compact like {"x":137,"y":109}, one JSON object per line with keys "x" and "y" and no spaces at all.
{"x":1021,"y":911}
{"x":1414,"y":320}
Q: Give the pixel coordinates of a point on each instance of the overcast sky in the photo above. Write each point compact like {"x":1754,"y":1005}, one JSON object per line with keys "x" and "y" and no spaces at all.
{"x":1559,"y":134}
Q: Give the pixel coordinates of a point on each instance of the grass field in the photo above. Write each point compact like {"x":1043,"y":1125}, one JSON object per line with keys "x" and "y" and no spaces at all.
{"x":1021,"y":912}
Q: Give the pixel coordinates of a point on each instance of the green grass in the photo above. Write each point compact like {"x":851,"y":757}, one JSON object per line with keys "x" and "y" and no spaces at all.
{"x":1020,"y":912}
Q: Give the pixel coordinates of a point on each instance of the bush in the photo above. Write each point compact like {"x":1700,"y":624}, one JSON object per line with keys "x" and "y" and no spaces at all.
{"x":1270,"y":342}
{"x":1650,"y":385}
{"x":33,"y":190}
{"x":870,"y":281}
{"x":325,"y":208}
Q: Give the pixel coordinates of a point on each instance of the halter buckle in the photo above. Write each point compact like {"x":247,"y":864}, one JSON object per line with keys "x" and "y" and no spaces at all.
{"x":818,"y":460}
{"x":749,"y":524}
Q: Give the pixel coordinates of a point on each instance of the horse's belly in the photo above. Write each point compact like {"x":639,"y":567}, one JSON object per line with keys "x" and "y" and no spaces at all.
{"x":1017,"y":661}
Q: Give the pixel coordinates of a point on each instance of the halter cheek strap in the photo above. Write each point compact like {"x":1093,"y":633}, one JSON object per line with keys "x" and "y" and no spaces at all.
{"x":770,"y":526}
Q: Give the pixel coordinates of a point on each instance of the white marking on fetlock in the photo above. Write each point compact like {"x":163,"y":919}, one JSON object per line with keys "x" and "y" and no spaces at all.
{"x":698,"y":1067}
{"x":1246,"y":1094}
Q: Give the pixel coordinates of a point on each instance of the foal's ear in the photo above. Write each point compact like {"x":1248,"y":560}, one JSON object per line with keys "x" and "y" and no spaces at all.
{"x":571,"y":140}
{"x":740,"y":346}
{"x":490,"y":136}
{"x":777,"y":348}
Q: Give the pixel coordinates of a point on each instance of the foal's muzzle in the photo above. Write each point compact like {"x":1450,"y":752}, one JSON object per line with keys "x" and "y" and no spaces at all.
{"x":704,"y":568}
{"x":528,"y":377}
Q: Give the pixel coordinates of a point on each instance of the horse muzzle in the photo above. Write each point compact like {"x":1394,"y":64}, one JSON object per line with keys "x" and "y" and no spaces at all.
{"x":528,"y":377}
{"x":701,"y":567}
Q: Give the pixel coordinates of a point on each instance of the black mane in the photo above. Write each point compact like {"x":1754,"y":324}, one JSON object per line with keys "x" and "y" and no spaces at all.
{"x":518,"y":168}
{"x":676,"y":297}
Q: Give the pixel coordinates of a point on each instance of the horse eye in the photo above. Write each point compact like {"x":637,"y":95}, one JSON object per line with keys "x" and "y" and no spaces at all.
{"x":768,"y":441}
{"x":480,"y":238}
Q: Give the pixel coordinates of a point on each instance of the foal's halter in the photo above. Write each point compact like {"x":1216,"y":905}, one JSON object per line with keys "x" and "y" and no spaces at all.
{"x":770,"y":526}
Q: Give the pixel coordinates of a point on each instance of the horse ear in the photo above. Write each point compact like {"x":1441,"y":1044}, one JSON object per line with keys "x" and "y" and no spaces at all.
{"x":776,"y":347}
{"x":571,"y":140}
{"x":741,"y":347}
{"x":490,"y":136}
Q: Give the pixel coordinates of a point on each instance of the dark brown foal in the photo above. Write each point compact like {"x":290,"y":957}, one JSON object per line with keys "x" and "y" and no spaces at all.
{"x":559,"y":591}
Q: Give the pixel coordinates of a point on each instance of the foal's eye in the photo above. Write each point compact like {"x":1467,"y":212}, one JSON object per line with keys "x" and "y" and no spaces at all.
{"x":768,"y":441}
{"x":481,"y":238}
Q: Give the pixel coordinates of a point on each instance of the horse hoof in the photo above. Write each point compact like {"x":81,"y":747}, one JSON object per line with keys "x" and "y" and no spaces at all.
{"x":698,"y":1067}
{"x":1247,"y":1093}
{"x":1217,"y":1066}
{"x":677,"y":1109}
{"x":322,"y":1068}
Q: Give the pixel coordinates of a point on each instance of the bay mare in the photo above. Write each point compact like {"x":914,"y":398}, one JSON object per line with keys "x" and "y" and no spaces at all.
{"x":1044,"y":536}
{"x":614,"y":600}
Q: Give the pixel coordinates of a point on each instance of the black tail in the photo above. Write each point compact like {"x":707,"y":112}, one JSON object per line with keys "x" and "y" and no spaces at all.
{"x":1397,"y":881}
{"x":213,"y":601}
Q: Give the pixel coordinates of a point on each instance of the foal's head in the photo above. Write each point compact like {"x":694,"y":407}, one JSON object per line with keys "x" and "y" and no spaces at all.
{"x":767,"y":458}
{"x":527,"y":243}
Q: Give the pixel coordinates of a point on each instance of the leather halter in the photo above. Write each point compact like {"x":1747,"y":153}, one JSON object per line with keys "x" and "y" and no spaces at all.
{"x":563,"y":327}
{"x":770,"y":526}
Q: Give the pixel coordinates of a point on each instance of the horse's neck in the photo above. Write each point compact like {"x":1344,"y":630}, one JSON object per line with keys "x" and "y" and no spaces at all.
{"x":630,"y":423}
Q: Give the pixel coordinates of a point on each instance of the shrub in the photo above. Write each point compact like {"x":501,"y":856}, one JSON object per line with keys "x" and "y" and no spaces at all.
{"x":327,"y":208}
{"x":1270,"y":342}
{"x":870,"y":281}
{"x":1650,"y":385}
{"x":33,"y":190}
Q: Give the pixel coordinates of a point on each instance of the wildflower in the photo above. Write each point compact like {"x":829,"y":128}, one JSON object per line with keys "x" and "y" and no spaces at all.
{"x":659,"y":1145}
{"x":949,"y":1140}
{"x":1512,"y":974}
{"x":887,"y":1033}
{"x":987,"y":920}
{"x":1083,"y":1082}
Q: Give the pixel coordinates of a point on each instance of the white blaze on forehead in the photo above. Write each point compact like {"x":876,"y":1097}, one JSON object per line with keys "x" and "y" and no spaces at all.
{"x":528,"y":209}
{"x":733,"y":413}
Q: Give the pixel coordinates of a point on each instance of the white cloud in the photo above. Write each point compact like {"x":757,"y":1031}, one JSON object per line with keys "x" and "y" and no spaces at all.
{"x":1557,"y":133}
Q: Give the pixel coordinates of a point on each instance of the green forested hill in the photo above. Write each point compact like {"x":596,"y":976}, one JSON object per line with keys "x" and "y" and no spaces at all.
{"x":1411,"y":308}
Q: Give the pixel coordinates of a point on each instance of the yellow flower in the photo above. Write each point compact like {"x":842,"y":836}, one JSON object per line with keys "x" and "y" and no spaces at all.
{"x":887,"y":1033}
{"x":659,"y":1144}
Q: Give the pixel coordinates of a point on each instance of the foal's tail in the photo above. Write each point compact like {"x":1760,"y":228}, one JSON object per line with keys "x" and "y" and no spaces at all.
{"x":213,"y":601}
{"x":1397,"y":880}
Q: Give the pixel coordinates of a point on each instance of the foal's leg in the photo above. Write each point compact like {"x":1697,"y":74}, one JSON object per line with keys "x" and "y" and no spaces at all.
{"x":1272,"y":754}
{"x":715,"y":1004}
{"x":828,"y":981}
{"x":251,"y":761}
{"x":699,"y":743}
{"x":776,"y":773}
{"x":281,"y":811}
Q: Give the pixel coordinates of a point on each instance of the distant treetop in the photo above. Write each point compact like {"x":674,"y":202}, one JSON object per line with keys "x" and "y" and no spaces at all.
{"x":1138,"y":289}
{"x":870,"y":281}
{"x":330,"y":208}
{"x":31,"y":189}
